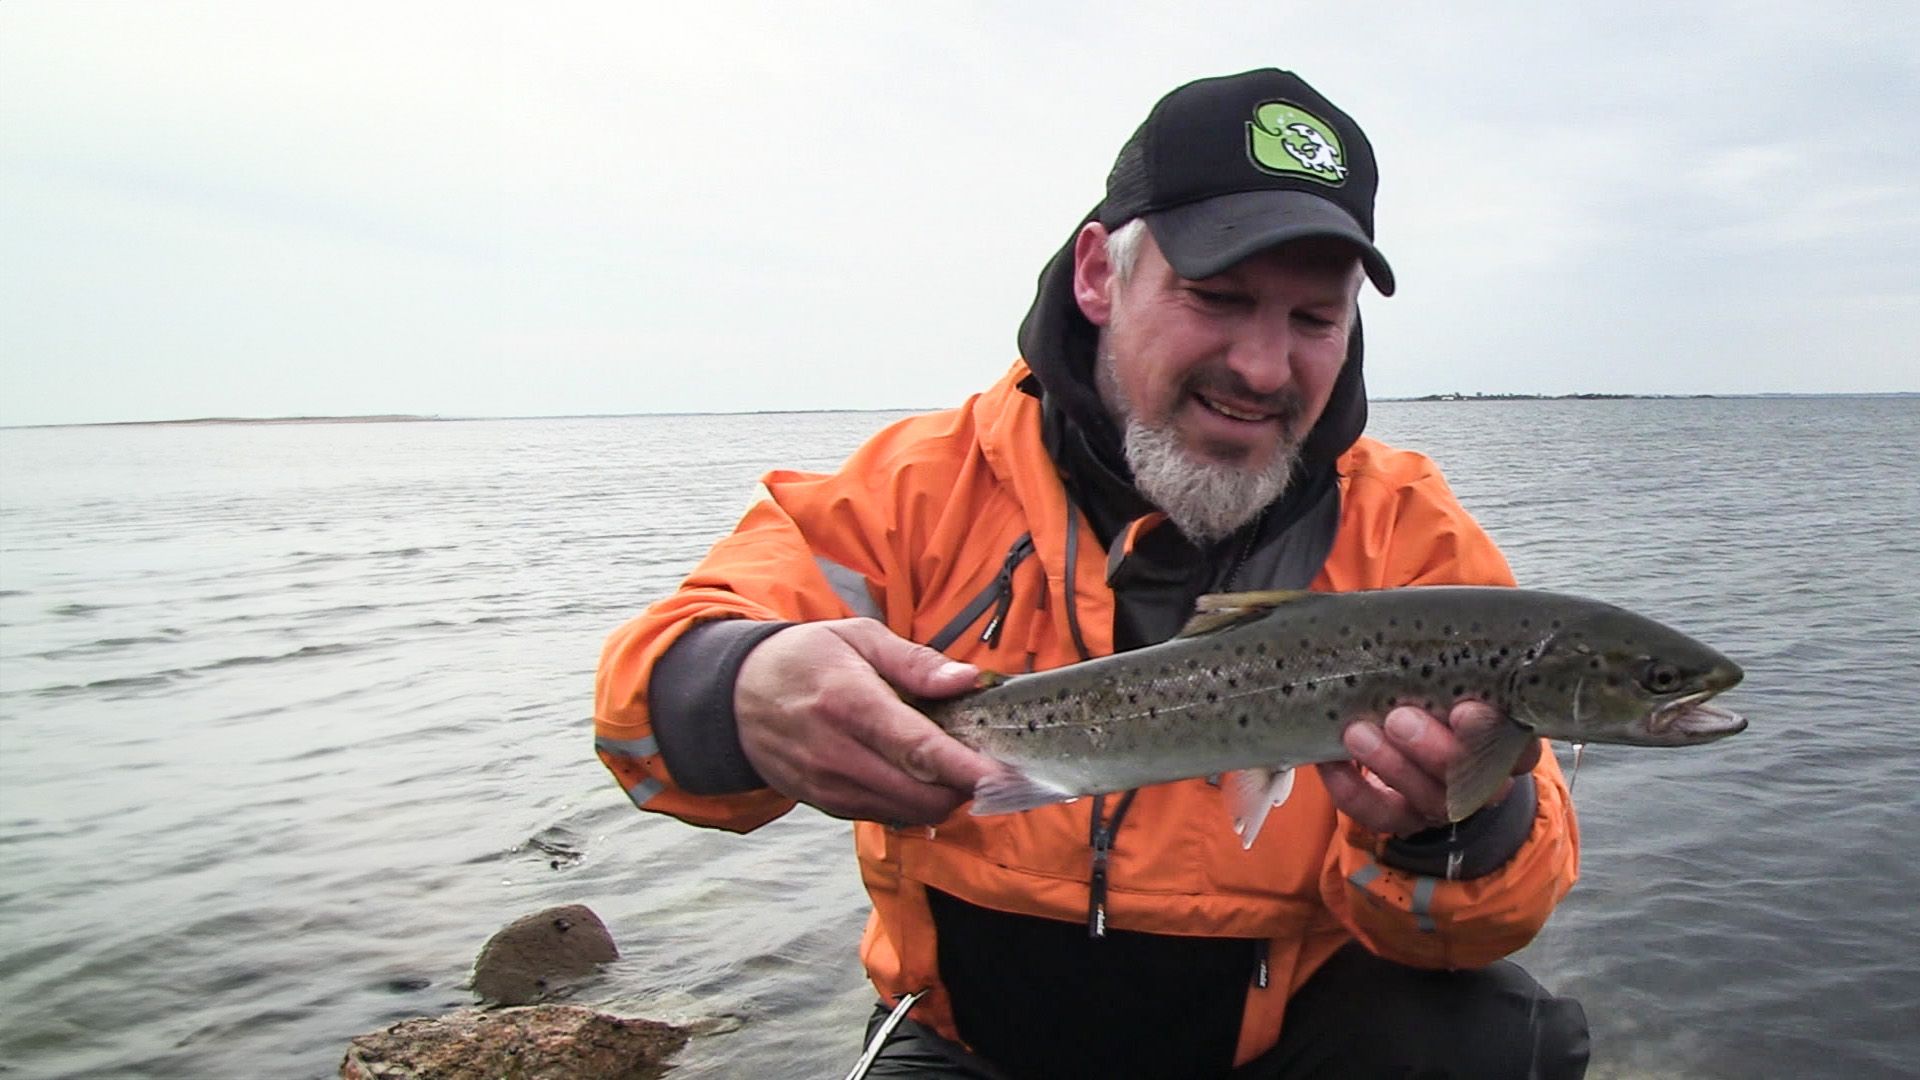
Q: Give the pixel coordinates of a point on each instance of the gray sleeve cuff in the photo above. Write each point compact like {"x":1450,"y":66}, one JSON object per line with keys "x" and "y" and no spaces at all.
{"x":1482,"y":843}
{"x":690,"y":698}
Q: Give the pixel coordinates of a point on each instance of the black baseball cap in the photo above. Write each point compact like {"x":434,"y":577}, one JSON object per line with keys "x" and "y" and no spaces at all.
{"x":1229,"y":166}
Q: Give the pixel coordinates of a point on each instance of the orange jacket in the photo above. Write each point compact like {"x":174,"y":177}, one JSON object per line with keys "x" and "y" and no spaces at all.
{"x":916,"y":525}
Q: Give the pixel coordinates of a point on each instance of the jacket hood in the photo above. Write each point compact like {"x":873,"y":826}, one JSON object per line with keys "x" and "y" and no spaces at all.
{"x":1058,"y":344}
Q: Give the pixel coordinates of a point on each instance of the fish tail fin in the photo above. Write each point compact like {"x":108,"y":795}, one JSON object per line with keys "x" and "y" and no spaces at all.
{"x":1008,"y":790}
{"x":1251,"y":794}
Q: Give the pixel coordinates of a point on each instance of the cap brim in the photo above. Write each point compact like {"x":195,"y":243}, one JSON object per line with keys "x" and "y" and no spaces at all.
{"x":1201,"y":239}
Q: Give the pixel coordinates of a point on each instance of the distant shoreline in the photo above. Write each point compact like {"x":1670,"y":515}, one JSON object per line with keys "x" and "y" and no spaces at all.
{"x":412,"y":418}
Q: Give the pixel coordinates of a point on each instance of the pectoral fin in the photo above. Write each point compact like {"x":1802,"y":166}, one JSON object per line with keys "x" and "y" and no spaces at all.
{"x":1250,"y":794}
{"x":1009,"y":790}
{"x":1487,"y":763}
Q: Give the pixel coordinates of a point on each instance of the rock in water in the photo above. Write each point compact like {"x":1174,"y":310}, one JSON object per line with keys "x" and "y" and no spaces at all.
{"x":541,"y":1042}
{"x":536,"y":954}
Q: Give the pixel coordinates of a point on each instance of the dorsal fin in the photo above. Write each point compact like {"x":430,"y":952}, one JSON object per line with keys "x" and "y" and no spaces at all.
{"x":1217,"y":611}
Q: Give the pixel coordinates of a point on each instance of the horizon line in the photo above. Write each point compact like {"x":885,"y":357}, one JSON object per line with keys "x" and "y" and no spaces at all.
{"x":1448,"y":397}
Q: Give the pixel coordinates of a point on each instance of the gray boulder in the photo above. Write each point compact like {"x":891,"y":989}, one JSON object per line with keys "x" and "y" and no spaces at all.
{"x":540,"y":953}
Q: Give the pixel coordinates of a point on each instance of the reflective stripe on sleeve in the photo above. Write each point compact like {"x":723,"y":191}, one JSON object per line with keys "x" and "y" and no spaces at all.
{"x":850,"y":586}
{"x":1365,"y":876}
{"x":1423,"y":889}
{"x":631,"y":748}
{"x":646,"y":789}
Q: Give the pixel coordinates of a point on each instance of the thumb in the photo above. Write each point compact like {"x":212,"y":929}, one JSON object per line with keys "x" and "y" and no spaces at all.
{"x":913,"y":669}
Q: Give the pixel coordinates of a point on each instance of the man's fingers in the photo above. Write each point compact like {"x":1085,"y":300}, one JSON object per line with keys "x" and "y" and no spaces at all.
{"x":913,"y":668}
{"x":849,"y":780}
{"x":820,"y":716}
{"x":1407,"y":755}
{"x":1367,"y":801}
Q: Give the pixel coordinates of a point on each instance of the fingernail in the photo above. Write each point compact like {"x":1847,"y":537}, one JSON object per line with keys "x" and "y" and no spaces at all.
{"x":1363,"y":739}
{"x":953,"y":669}
{"x":1403,"y":725}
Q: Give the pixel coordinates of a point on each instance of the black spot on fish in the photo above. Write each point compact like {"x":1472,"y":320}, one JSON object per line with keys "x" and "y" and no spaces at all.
{"x":1062,"y":695}
{"x":1419,"y":624}
{"x":1033,"y":725}
{"x":1333,"y":714}
{"x":1244,"y":720}
{"x":1306,"y":643}
{"x":1346,"y":631}
{"x":1260,"y":648}
{"x":1366,"y":644}
{"x":1153,"y":712}
{"x":1494,"y":661}
{"x":1458,"y":689}
{"x":1504,"y":650}
{"x":1426,"y":671}
{"x":1406,"y":661}
{"x":1286,"y":689}
{"x":1594,"y":663}
{"x":1533,"y":680}
{"x":982,"y":722}
{"x":1525,"y":623}
{"x":1133,"y":699}
{"x":1447,"y":629}
{"x":1352,"y":680}
{"x":1395,"y":623}
{"x":1233,"y":684}
{"x":1211,"y":696}
{"x":1556,"y":624}
{"x":1613,"y":680}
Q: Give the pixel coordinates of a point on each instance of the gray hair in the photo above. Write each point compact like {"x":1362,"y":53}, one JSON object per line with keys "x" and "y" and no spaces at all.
{"x":1123,"y":248}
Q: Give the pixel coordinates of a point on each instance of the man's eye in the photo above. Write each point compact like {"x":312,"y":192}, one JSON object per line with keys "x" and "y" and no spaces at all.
{"x":1215,"y":297}
{"x":1311,"y":319}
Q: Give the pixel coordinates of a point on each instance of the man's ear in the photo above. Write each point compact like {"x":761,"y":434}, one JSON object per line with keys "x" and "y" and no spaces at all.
{"x":1093,"y":279}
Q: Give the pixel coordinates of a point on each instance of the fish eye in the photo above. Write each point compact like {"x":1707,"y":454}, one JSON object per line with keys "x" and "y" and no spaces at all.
{"x":1658,"y":677}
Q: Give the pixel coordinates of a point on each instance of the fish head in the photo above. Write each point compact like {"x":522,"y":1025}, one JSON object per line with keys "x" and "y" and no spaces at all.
{"x":1611,"y":676}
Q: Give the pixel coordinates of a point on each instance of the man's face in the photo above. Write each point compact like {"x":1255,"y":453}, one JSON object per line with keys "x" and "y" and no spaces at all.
{"x":1217,"y":382}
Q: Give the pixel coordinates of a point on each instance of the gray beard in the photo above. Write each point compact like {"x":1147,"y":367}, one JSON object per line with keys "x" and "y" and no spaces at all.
{"x":1207,"y":500}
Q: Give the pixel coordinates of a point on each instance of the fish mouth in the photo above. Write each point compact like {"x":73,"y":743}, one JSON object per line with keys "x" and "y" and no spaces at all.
{"x":1690,"y":720}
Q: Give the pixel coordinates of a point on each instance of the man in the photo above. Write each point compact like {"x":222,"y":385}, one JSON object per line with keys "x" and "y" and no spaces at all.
{"x":1186,"y":419}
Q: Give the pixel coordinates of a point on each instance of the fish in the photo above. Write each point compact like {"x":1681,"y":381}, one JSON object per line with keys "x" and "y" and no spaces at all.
{"x":1258,"y":683}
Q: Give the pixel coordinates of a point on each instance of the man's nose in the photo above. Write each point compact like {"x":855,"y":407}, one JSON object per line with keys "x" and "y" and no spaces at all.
{"x":1261,"y":353}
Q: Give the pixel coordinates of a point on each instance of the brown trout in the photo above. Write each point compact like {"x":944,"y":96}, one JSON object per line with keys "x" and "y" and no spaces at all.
{"x":1258,"y":683}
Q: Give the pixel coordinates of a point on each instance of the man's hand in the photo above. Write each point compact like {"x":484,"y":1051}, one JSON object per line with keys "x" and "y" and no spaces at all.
{"x":1403,"y":788}
{"x":820,"y":720}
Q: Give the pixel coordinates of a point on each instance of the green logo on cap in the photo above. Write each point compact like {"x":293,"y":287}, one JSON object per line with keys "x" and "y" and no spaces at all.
{"x":1283,"y":138}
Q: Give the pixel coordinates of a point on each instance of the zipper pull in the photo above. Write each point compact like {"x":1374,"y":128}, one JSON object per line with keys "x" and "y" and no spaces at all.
{"x":1003,"y":588}
{"x":1097,"y":886}
{"x":1261,"y":975}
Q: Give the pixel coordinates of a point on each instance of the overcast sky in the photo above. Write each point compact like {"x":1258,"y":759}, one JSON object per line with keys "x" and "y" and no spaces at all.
{"x":482,"y":208}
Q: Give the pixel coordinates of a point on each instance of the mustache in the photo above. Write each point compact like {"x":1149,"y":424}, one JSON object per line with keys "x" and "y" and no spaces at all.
{"x":1286,"y":402}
